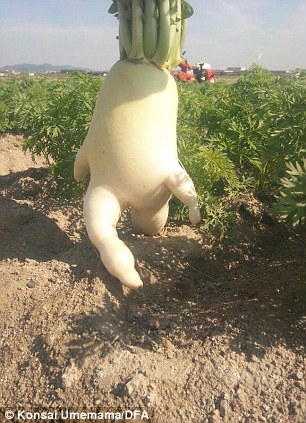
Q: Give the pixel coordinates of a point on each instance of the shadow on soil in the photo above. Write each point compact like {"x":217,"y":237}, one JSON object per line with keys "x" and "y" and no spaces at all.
{"x":250,"y":293}
{"x":248,"y":287}
{"x":13,"y":179}
{"x":26,"y":233}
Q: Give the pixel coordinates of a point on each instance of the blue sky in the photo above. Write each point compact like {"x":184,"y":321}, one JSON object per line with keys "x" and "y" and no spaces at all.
{"x":221,"y":32}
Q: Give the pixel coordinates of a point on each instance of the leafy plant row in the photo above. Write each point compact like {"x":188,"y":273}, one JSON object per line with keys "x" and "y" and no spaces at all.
{"x":244,"y":137}
{"x":54,"y":116}
{"x":248,"y":135}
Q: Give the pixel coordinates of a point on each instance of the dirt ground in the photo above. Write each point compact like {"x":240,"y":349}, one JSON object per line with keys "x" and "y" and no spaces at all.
{"x":217,"y":334}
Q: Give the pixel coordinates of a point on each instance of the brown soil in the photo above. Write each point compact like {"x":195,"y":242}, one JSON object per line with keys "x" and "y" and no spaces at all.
{"x":216,"y":334}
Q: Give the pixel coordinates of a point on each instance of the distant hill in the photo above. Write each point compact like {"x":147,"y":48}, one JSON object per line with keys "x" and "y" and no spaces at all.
{"x":45,"y":67}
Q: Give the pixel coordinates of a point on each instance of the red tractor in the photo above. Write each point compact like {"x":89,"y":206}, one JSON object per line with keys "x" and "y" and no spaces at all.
{"x":188,"y":73}
{"x":204,"y":73}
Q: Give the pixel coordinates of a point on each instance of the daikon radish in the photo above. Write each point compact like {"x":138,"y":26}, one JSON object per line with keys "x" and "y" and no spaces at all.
{"x":131,"y":150}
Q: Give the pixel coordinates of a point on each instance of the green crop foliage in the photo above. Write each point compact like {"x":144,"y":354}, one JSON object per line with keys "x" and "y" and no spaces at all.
{"x":210,"y":168}
{"x":241,"y":135}
{"x":59,"y":125}
{"x":259,"y":122}
{"x":291,"y":205}
{"x":54,"y":116}
{"x":231,"y":136}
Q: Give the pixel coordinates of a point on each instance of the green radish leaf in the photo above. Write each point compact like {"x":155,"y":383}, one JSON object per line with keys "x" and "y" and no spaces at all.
{"x":114,"y":8}
{"x":187,"y":10}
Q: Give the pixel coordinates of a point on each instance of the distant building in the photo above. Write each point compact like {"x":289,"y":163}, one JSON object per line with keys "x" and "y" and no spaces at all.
{"x":98,"y":73}
{"x":236,"y":69}
{"x":280,"y":72}
{"x":231,"y":70}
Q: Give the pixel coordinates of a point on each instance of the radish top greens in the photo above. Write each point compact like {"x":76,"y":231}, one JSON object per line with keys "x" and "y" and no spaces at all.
{"x":152,"y":30}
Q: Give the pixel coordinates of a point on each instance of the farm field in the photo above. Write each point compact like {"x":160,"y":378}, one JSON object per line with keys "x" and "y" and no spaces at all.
{"x":218,"y":331}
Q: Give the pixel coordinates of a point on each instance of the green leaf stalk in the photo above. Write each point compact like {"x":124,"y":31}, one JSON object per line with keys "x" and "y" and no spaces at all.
{"x":152,"y":30}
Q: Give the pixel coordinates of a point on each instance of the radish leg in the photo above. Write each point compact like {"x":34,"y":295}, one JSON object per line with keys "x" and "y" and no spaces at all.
{"x":102,"y":210}
{"x":150,"y":222}
{"x":81,"y":166}
{"x":181,"y":186}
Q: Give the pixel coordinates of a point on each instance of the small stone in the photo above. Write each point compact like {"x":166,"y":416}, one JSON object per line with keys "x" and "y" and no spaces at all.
{"x":292,"y":408}
{"x":52,"y":279}
{"x":161,"y":323}
{"x":148,"y":400}
{"x":209,"y":404}
{"x":215,"y":417}
{"x":31,"y":284}
{"x":299,"y":375}
{"x":261,"y":419}
{"x":88,"y":272}
{"x":154,"y":324}
{"x":168,"y":344}
{"x":137,"y":313}
{"x":97,"y":402}
{"x":223,"y":407}
{"x":150,"y":343}
{"x":115,"y":307}
{"x":139,"y":384}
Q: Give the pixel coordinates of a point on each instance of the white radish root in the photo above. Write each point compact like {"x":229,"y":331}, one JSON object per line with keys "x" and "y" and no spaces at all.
{"x":131,"y":154}
{"x":130,"y":150}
